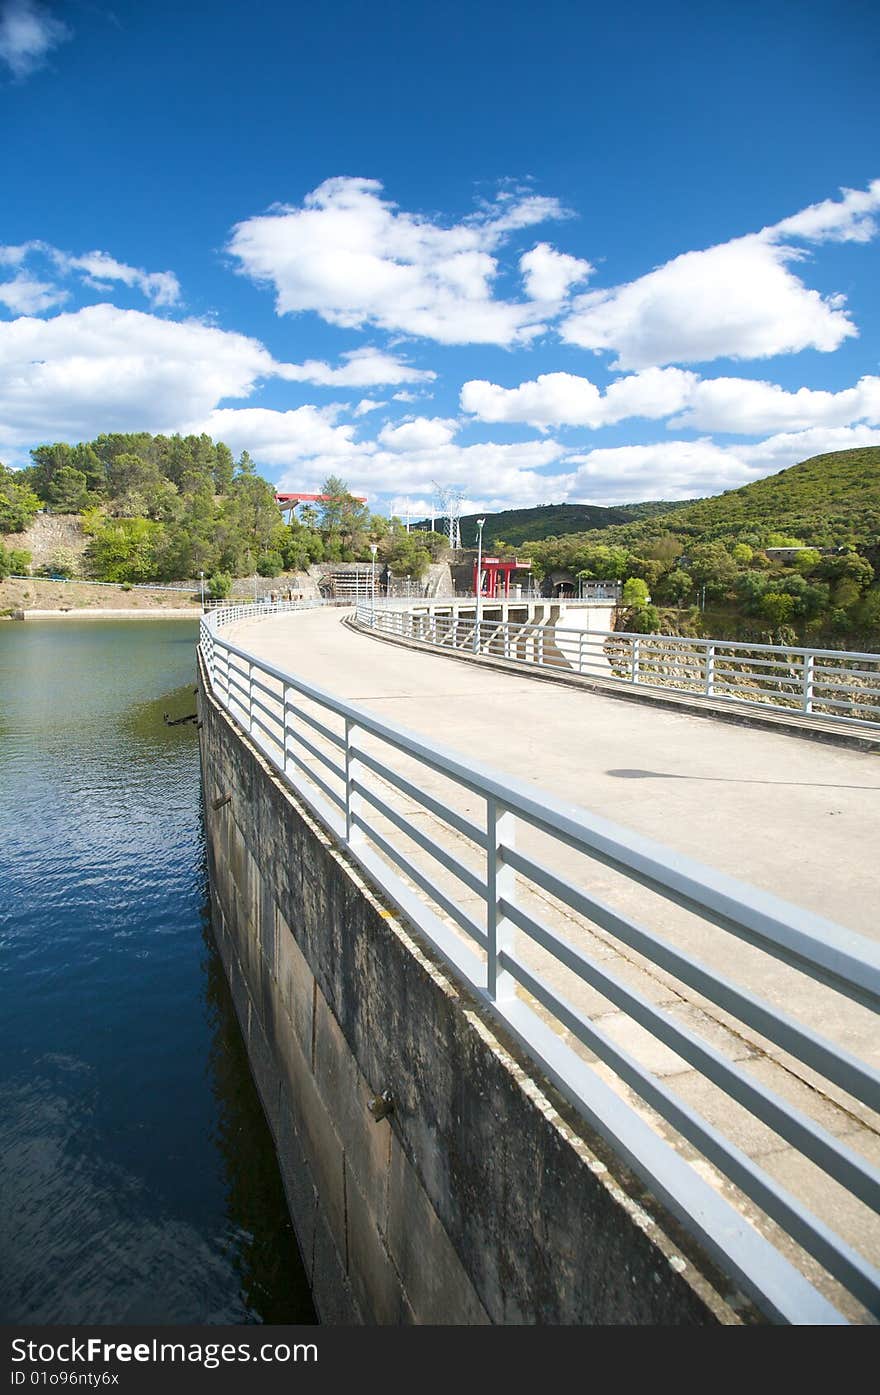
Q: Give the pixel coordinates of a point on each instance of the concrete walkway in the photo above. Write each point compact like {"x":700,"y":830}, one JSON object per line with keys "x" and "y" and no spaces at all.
{"x":798,"y":818}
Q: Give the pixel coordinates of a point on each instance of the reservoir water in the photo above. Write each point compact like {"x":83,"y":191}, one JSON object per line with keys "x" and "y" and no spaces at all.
{"x":137,"y":1173}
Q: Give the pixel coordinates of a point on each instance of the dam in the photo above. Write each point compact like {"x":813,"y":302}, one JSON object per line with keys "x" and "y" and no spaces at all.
{"x":552,"y":1018}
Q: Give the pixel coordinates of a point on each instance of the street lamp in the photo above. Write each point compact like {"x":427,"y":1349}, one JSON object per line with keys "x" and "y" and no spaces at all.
{"x":374,"y":548}
{"x":480,"y":523}
{"x":202,"y":587}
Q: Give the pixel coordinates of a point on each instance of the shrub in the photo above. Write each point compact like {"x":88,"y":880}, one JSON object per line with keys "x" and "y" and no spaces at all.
{"x":219,"y":586}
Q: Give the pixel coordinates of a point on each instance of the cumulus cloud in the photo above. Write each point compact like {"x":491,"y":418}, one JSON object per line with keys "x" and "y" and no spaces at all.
{"x":28,"y":33}
{"x":740,"y":299}
{"x":689,"y":469}
{"x":360,"y":368}
{"x":565,"y":399}
{"x":549,"y":275}
{"x":851,"y":219}
{"x":24,"y":295}
{"x":278,"y":438}
{"x":421,"y":433}
{"x":355,"y":259}
{"x":96,"y":269}
{"x":106,"y":369}
{"x":747,"y":407}
{"x":99,"y":269}
{"x":741,"y":406}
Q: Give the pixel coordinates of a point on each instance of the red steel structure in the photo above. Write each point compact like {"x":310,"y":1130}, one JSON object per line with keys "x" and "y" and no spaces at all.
{"x":496,"y":575}
{"x":288,"y":502}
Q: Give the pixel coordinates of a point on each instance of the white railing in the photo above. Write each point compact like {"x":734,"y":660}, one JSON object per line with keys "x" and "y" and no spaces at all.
{"x":837,"y":685}
{"x":500,"y":878}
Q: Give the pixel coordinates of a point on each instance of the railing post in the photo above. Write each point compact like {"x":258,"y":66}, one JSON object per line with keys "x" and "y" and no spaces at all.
{"x":287,"y":730}
{"x":250,"y":672}
{"x":353,"y":801}
{"x":710,"y":670}
{"x":580,"y":667}
{"x":500,"y":886}
{"x":634,"y":662}
{"x":807,"y":695}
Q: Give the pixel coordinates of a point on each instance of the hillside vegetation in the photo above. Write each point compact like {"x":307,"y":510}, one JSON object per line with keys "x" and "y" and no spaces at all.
{"x":718,"y":552}
{"x":167,"y":508}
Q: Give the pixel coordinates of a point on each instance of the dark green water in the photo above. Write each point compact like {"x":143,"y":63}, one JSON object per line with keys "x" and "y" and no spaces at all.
{"x":137,"y":1175}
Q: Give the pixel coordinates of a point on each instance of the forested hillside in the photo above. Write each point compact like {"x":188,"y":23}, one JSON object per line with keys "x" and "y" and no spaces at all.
{"x":720,"y":554}
{"x":167,"y":508}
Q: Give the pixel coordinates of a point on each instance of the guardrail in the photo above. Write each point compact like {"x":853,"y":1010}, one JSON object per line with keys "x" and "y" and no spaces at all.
{"x":840,"y":686}
{"x":481,"y":864}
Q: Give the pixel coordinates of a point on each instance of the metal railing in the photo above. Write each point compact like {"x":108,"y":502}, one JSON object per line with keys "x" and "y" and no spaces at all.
{"x":837,"y":685}
{"x":501,"y":879}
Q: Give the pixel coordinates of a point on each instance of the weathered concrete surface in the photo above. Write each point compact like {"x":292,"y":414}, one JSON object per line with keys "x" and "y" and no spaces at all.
{"x":798,"y":819}
{"x":477,"y":1201}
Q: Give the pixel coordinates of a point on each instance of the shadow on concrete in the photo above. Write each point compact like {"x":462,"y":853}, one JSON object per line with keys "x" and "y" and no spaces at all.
{"x":731,"y":780}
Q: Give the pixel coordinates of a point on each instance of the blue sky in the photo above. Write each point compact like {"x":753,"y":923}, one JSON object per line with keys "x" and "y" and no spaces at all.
{"x":541,"y":253}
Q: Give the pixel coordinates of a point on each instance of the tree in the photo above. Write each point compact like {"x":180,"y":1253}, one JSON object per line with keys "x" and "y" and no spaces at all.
{"x":675,"y":586}
{"x":712,"y":566}
{"x":125,"y":549}
{"x":343,"y":515}
{"x":635,"y":592}
{"x":67,"y":491}
{"x":14,"y":561}
{"x":777,"y":607}
{"x":18,"y":502}
{"x":219,"y":586}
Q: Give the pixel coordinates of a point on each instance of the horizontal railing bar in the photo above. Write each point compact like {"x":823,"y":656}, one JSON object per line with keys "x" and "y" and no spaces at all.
{"x":807,"y":1230}
{"x":462,"y":825}
{"x":332,"y":736}
{"x":828,"y":1152}
{"x":428,"y":845}
{"x":313,"y":776}
{"x":321,"y":756}
{"x":852,"y":1075}
{"x":416,"y":874}
{"x":764,"y":1275}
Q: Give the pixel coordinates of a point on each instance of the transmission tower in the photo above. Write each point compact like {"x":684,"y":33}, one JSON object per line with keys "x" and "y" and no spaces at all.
{"x":449,"y":501}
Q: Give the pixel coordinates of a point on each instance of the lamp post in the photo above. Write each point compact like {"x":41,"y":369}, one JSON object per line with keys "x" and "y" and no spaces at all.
{"x":202,"y":587}
{"x":480,"y":523}
{"x":374,"y":548}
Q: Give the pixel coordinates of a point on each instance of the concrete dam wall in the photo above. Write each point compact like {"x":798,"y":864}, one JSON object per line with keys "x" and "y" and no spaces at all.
{"x":478,"y":1198}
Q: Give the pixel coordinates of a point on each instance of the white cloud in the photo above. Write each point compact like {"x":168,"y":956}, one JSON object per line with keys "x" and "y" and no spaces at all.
{"x":28,"y":33}
{"x":24,"y":295}
{"x":422,"y":433}
{"x":368,"y":404}
{"x":790,"y":447}
{"x":96,"y":269}
{"x":549,"y":275}
{"x":356,"y":259}
{"x":105,"y":369}
{"x":160,"y":287}
{"x":849,"y":220}
{"x":665,"y":470}
{"x":564,"y":399}
{"x":690,"y":469}
{"x":739,"y":299}
{"x":742,"y":406}
{"x":750,"y":407}
{"x":278,"y":438}
{"x":361,"y":368}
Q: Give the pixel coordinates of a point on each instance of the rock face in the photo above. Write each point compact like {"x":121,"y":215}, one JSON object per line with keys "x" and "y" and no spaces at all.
{"x":48,"y":535}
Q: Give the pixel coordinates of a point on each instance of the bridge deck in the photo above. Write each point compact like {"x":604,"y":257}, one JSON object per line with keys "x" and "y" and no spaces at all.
{"x":797,"y":818}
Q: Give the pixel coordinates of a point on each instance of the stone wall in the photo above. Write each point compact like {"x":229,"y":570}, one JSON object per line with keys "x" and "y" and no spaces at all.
{"x":479,"y":1200}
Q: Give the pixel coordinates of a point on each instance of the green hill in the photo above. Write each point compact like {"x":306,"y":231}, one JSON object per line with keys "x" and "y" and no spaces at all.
{"x":828,"y":500}
{"x":516,"y":526}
